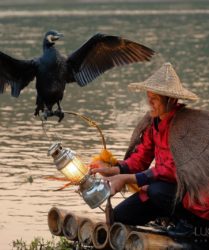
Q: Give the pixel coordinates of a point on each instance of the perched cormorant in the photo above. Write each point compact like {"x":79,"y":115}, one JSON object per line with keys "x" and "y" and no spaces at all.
{"x":52,"y":70}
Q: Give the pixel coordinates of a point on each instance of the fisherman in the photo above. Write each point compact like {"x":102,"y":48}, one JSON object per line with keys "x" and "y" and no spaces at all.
{"x":177,"y":138}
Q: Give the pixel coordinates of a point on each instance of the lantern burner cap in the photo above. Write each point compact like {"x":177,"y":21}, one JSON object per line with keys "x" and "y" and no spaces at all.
{"x":55,"y":148}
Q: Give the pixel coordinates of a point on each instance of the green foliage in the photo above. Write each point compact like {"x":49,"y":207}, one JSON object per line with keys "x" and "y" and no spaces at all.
{"x":40,"y":244}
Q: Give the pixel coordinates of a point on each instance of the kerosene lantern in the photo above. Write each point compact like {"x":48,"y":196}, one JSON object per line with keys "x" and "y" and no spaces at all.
{"x":93,"y":190}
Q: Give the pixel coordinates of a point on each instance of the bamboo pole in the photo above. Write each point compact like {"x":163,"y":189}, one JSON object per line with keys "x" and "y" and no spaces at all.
{"x":85,"y":230}
{"x":55,"y":220}
{"x":70,"y":226}
{"x":118,"y":234}
{"x":149,"y":241}
{"x":100,"y":237}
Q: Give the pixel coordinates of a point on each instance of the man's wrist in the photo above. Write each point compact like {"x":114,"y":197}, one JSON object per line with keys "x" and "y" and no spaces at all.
{"x":120,"y":168}
{"x":141,"y":179}
{"x":116,"y":169}
{"x":123,"y":167}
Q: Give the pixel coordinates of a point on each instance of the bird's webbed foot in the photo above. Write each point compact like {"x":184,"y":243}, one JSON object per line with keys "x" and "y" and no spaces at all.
{"x":39,"y":106}
{"x":37,"y":111}
{"x":46,"y":113}
{"x":59,"y":113}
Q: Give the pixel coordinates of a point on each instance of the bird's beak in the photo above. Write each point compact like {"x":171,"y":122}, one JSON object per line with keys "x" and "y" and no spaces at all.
{"x":60,"y":35}
{"x":57,"y":36}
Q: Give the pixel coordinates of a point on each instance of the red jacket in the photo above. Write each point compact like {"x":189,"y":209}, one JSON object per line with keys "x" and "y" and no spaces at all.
{"x":154,"y":144}
{"x":201,"y":210}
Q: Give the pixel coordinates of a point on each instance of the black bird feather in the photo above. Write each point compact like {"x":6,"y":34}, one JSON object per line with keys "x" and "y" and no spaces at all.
{"x":53,"y":71}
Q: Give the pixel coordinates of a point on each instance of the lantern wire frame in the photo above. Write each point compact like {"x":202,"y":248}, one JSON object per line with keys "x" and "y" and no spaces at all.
{"x":91,"y":123}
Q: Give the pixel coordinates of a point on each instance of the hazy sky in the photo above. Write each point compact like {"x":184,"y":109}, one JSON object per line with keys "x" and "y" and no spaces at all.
{"x":92,"y":1}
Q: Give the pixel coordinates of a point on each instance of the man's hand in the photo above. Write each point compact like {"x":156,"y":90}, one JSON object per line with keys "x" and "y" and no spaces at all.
{"x":117,"y":182}
{"x":103,"y":168}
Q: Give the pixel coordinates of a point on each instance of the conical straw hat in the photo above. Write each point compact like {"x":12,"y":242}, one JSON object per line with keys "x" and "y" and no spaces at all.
{"x":164,"y":82}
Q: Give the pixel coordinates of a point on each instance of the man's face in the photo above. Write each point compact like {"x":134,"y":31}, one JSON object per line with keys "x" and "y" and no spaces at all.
{"x":158,"y":104}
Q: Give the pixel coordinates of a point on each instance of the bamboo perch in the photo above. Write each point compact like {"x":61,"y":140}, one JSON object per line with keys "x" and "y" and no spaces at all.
{"x":149,"y":241}
{"x":117,"y":237}
{"x":55,"y":220}
{"x":118,"y":234}
{"x":100,"y":236}
{"x":70,"y":226}
{"x":85,"y":230}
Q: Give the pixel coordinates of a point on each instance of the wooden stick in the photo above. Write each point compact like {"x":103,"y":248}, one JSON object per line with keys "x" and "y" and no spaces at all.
{"x":109,"y":212}
{"x":55,"y":220}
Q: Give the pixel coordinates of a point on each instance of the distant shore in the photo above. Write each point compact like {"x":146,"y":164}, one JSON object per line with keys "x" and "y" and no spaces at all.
{"x":3,"y":2}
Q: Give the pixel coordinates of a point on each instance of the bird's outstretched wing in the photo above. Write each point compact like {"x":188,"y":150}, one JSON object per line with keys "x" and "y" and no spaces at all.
{"x":103,"y":52}
{"x":16,"y":73}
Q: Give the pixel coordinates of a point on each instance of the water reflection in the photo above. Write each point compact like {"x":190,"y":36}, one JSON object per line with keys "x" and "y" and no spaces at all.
{"x":181,"y":38}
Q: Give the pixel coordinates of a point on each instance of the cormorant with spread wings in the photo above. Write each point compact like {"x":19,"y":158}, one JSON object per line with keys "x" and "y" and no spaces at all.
{"x":53,"y":71}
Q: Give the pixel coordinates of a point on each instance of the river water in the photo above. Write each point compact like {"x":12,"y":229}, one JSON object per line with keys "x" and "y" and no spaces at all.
{"x":178,"y":32}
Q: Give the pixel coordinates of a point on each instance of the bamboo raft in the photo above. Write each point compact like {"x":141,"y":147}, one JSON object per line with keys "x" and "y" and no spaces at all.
{"x":100,"y":235}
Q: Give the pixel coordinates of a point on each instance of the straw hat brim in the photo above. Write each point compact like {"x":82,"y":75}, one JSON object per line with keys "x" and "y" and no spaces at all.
{"x":179,"y":94}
